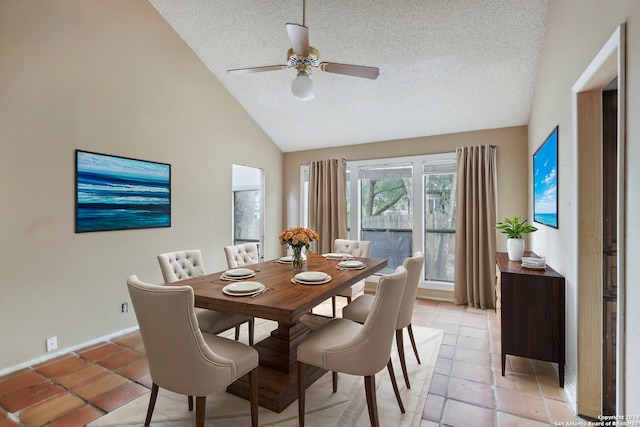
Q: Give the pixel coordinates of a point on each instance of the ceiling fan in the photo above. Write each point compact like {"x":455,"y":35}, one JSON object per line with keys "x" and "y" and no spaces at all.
{"x":303,"y":57}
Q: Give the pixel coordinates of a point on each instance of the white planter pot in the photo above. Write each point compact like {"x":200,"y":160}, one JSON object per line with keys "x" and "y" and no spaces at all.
{"x":515,"y":249}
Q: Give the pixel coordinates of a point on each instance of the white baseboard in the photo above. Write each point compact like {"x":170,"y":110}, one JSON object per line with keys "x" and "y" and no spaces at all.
{"x":66,"y":350}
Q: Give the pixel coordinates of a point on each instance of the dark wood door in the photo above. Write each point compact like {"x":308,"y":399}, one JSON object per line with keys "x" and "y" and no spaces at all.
{"x":610,"y":245}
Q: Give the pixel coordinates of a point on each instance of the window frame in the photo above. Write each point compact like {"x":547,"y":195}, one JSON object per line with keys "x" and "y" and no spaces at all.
{"x":418,"y":230}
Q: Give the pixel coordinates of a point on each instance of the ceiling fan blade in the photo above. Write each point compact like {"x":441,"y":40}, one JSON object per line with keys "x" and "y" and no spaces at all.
{"x":351,"y":70}
{"x":299,"y":36}
{"x":256,"y":69}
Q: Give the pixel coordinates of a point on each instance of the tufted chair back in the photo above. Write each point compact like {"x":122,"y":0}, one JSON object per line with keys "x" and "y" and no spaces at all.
{"x":240,"y":255}
{"x":181,"y":265}
{"x":357,"y":248}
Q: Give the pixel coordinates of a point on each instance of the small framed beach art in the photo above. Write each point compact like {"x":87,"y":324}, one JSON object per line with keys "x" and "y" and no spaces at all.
{"x":119,"y":193}
{"x":545,"y":181}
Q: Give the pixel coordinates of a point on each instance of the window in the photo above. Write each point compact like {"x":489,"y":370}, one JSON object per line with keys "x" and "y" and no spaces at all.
{"x":404,"y":205}
{"x":439,"y":189}
{"x":247,"y":204}
{"x":385,"y":201}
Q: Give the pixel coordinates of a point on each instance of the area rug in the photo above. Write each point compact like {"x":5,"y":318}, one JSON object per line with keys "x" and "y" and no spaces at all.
{"x":347,"y":407}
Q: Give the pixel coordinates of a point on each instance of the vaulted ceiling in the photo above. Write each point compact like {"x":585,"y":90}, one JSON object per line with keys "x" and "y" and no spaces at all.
{"x":445,"y":66}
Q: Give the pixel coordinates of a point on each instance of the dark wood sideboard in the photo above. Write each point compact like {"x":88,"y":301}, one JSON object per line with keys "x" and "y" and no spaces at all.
{"x":530,"y":305}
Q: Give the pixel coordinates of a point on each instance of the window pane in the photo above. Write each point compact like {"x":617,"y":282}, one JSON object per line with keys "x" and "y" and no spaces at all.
{"x":247,"y":192}
{"x":386,"y":211}
{"x":439,"y":223}
{"x":246,"y":216}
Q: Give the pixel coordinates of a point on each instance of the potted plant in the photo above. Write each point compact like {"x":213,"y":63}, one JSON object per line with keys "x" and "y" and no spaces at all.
{"x":514,"y":228}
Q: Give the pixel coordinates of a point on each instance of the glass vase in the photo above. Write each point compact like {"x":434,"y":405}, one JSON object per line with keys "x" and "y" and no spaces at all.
{"x":296,"y":258}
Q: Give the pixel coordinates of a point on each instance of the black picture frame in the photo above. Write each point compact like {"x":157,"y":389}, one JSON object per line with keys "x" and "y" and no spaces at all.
{"x":120,"y":193}
{"x":545,"y":181}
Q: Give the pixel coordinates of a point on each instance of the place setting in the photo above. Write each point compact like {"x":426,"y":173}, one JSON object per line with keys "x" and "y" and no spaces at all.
{"x":237,"y":274}
{"x":350,"y":265}
{"x":311,"y":278}
{"x":244,"y":289}
{"x":288,"y":259}
{"x":337,"y":256}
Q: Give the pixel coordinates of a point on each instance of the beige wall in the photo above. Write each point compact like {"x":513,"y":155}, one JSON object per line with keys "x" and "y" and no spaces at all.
{"x":576,"y":31}
{"x":111,"y":76}
{"x":511,"y":155}
{"x":108,"y":76}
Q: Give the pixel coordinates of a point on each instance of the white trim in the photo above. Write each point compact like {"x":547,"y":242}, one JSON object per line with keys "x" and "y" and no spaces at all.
{"x":437,"y":286}
{"x":609,"y":63}
{"x":621,"y":360}
{"x":60,"y":352}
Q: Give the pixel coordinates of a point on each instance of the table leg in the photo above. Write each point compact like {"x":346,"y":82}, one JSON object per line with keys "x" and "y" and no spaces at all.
{"x":277,"y":373}
{"x":280,"y":350}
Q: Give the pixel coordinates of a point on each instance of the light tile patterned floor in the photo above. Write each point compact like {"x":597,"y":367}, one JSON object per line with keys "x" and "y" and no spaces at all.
{"x":467,"y":386}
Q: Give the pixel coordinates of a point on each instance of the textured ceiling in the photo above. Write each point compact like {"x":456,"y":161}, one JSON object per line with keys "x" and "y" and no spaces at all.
{"x":445,"y":65}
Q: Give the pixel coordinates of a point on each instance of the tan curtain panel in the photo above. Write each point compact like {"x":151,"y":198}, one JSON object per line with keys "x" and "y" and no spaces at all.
{"x":476,"y":227}
{"x":328,"y":202}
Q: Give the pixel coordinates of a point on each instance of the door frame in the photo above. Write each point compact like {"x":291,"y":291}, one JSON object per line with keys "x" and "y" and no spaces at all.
{"x":608,"y":64}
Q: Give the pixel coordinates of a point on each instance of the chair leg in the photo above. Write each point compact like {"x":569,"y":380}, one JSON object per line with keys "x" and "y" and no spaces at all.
{"x":152,"y":404}
{"x":403,"y":362}
{"x":413,"y":343}
{"x":251,"y":331}
{"x":301,"y":393}
{"x":201,"y":404}
{"x":372,"y":404}
{"x":253,"y":390}
{"x":333,"y":305}
{"x":334,"y":378}
{"x":394,"y":383}
{"x":237,"y":332}
{"x":190,"y":402}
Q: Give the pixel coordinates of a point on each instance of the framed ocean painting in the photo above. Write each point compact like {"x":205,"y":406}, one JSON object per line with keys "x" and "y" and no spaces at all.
{"x":119,"y":193}
{"x":545,"y":181}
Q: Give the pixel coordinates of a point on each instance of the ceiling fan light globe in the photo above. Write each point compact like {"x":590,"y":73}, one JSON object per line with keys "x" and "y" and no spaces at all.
{"x":302,"y":87}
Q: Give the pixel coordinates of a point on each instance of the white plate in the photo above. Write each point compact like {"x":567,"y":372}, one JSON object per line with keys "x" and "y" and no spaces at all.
{"x":334,"y":255}
{"x":303,"y":282}
{"x":535,"y":267}
{"x":238,"y":272}
{"x":311,"y":276}
{"x":351,"y":264}
{"x":243,"y":288}
{"x":288,"y":259}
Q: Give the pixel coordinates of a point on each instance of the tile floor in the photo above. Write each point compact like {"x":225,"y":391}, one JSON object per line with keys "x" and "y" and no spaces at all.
{"x":467,"y":387}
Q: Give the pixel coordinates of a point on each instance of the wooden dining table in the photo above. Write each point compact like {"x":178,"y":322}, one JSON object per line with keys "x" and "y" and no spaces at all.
{"x":285,"y":302}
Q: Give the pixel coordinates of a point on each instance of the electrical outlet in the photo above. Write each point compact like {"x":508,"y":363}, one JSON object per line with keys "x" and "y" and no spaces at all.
{"x":125,"y":307}
{"x":52,"y":343}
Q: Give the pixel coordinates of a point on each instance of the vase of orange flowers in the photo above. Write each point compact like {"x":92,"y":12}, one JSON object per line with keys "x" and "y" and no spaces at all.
{"x":297,"y":238}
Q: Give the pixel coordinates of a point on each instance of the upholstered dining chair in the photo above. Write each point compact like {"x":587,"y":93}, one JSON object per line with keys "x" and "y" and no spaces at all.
{"x":342,"y":345}
{"x":244,"y":254}
{"x":183,"y":359}
{"x":182,"y":265}
{"x":360,"y":308}
{"x":358,"y":249}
